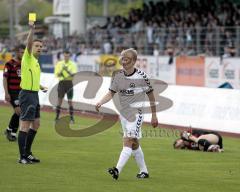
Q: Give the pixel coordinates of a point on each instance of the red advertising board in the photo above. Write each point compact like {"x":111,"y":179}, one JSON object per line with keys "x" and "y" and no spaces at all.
{"x":190,"y":71}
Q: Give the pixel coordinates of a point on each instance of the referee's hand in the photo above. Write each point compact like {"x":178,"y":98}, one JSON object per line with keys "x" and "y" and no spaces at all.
{"x":31,"y":24}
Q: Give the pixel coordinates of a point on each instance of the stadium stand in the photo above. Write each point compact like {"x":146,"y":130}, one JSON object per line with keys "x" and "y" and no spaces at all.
{"x":201,"y":27}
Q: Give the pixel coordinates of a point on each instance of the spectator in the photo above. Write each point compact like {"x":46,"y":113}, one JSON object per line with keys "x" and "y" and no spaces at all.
{"x":201,"y":26}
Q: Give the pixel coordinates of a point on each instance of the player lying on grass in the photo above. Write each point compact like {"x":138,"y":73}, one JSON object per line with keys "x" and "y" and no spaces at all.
{"x":202,"y":140}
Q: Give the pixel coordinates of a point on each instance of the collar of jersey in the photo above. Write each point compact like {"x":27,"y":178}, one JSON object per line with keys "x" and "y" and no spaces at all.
{"x":15,"y":62}
{"x":131,"y":73}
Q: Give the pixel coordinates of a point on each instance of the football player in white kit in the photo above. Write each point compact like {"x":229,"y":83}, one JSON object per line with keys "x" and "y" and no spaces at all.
{"x":132,"y":85}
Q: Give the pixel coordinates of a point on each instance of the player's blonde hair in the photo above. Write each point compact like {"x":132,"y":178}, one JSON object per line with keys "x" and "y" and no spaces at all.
{"x":132,"y":50}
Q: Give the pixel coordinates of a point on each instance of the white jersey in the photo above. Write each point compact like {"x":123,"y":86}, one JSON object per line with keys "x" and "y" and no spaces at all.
{"x":132,"y":90}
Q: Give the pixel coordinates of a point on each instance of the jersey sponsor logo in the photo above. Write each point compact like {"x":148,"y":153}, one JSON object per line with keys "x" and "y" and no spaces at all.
{"x":19,"y":72}
{"x":193,"y":145}
{"x":128,"y":92}
{"x":132,"y":85}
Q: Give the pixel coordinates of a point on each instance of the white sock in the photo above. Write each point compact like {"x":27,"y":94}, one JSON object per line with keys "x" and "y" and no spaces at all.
{"x":139,"y":157}
{"x":124,"y":156}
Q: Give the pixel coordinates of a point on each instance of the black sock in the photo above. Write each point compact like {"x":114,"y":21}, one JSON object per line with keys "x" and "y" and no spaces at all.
{"x":30,"y":137}
{"x":22,"y":136}
{"x":14,"y":123}
{"x":71,"y":111}
{"x":58,"y":108}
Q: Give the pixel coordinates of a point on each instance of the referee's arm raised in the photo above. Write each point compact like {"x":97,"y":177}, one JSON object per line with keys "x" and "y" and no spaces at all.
{"x":30,"y":37}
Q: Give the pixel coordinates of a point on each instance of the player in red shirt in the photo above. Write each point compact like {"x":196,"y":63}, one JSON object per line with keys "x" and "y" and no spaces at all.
{"x":11,"y":84}
{"x":202,"y":140}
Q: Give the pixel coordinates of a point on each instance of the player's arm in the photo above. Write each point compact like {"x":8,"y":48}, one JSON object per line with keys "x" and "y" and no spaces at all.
{"x":71,"y":70}
{"x":193,"y":138}
{"x":65,"y":68}
{"x":5,"y":85}
{"x":30,"y":37}
{"x":5,"y":82}
{"x":187,"y":136}
{"x":57,"y":70}
{"x":151,"y":98}
{"x":105,"y":99}
{"x":74,"y":68}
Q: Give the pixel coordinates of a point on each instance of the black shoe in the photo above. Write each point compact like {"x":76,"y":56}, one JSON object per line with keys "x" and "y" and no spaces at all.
{"x":33,"y":159}
{"x":24,"y":160}
{"x":9,"y":135}
{"x":114,"y":172}
{"x":142,"y":175}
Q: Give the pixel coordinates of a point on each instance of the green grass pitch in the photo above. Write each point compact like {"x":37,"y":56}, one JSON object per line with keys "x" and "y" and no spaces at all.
{"x":80,"y":164}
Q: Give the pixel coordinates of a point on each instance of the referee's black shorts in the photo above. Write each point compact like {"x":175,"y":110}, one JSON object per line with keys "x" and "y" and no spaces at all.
{"x":29,"y":105}
{"x":65,"y":87}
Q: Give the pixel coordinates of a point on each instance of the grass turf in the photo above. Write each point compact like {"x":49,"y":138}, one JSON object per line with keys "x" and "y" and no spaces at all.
{"x":80,"y":164}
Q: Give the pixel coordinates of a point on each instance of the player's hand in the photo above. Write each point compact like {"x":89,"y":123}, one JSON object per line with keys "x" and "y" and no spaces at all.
{"x":185,"y":135}
{"x":7,"y":97}
{"x":60,"y":74}
{"x":65,"y":67}
{"x":44,"y":89}
{"x":154,"y":121}
{"x":31,"y":24}
{"x":97,"y":106}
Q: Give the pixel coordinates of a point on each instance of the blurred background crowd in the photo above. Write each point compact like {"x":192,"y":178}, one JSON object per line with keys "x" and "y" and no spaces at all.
{"x":159,"y":28}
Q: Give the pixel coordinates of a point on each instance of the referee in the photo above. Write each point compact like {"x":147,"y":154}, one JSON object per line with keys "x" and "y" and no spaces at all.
{"x":64,"y":71}
{"x":28,"y":97}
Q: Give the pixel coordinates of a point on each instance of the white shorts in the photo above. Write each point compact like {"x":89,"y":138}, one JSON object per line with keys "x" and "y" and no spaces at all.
{"x":132,"y":128}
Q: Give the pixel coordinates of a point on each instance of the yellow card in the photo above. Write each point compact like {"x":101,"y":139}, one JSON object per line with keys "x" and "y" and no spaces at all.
{"x":32,"y":16}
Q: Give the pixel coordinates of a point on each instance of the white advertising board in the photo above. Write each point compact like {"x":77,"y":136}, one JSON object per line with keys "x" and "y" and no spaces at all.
{"x":212,"y":71}
{"x":205,"y":108}
{"x":230,"y":70}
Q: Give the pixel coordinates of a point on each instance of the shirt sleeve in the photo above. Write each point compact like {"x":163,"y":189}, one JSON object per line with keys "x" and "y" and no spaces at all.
{"x":147,"y":84}
{"x":26,"y":53}
{"x":114,"y":84}
{"x":6,"y":70}
{"x":26,"y":58}
{"x":74,"y":68}
{"x":56,"y":69}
